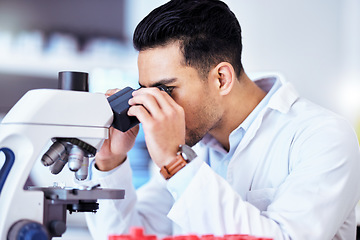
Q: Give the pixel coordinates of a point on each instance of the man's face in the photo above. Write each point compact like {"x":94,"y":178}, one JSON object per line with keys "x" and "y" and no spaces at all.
{"x":163,"y":65}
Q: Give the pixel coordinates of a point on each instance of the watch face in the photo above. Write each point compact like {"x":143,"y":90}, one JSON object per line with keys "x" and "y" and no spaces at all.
{"x":187,"y":153}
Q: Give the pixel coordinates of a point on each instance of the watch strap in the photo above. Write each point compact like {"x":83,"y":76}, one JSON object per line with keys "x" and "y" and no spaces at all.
{"x":173,"y":167}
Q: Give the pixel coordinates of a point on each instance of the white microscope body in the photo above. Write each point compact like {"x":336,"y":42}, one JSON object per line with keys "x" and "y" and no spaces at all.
{"x":39,"y":118}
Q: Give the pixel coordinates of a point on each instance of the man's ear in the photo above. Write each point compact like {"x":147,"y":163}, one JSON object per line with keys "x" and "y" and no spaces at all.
{"x":224,"y":77}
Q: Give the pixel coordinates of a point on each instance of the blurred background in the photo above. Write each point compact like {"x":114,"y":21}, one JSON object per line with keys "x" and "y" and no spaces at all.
{"x":315,"y":44}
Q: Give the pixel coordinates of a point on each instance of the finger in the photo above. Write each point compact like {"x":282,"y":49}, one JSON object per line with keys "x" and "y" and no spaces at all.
{"x":111,"y":92}
{"x":141,"y":113}
{"x":148,"y":101}
{"x":168,"y":107}
{"x":163,"y":99}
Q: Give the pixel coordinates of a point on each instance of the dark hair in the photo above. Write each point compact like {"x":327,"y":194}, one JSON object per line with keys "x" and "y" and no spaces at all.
{"x":208,"y":31}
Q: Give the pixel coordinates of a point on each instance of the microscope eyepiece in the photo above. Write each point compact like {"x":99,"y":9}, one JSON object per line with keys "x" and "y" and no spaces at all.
{"x":120,"y":106}
{"x":76,"y":81}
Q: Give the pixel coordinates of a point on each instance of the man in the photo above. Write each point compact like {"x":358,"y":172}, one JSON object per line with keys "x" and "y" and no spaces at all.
{"x":269,"y":163}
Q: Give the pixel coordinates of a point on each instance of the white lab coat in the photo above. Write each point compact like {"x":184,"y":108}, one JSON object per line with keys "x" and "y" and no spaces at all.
{"x":294,"y":175}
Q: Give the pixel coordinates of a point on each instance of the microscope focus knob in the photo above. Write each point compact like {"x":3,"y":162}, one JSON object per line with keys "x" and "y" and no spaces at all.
{"x":57,"y":228}
{"x":27,"y":230}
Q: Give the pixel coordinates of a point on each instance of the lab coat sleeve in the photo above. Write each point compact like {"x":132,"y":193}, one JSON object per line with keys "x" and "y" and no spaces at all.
{"x":145,"y":208}
{"x":315,"y":199}
{"x":209,"y":205}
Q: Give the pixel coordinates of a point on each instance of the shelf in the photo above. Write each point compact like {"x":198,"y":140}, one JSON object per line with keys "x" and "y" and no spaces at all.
{"x":20,"y":73}
{"x":49,"y":66}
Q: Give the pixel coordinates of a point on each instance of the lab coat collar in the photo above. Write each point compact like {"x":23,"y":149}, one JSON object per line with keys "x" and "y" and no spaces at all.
{"x":284,"y":97}
{"x":281,"y":100}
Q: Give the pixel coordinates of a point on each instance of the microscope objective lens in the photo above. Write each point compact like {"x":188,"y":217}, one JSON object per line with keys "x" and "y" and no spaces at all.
{"x":58,"y":166}
{"x":55,"y":152}
{"x":82,"y":173}
{"x":76,"y":156}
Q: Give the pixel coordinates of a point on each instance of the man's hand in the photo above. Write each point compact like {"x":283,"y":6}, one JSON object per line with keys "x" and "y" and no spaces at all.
{"x":114,"y":150}
{"x":163,"y":121}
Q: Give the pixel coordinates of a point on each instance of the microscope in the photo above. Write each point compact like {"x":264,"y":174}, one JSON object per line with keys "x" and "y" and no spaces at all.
{"x":74,"y":124}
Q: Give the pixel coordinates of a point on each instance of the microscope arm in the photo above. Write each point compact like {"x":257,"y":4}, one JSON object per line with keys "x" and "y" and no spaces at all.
{"x":39,"y":118}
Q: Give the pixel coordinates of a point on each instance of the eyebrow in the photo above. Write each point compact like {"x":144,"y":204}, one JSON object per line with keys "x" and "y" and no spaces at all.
{"x":161,"y":82}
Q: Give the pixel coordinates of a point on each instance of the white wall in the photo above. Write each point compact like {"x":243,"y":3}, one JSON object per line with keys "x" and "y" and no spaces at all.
{"x":315,"y":44}
{"x":349,"y":94}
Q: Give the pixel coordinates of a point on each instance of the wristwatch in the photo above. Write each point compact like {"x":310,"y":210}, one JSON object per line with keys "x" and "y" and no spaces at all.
{"x":184,"y":155}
